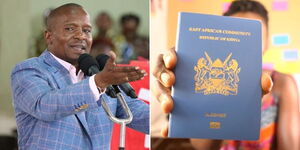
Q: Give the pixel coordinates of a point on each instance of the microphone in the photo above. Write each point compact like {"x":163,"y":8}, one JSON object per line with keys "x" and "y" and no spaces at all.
{"x":89,"y":67}
{"x":125,"y":87}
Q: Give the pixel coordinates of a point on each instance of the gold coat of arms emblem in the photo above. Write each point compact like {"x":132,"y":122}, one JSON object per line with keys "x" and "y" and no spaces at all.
{"x":217,"y":77}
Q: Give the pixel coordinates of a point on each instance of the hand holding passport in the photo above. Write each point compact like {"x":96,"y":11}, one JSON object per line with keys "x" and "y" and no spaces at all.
{"x":165,"y":64}
{"x":166,"y":78}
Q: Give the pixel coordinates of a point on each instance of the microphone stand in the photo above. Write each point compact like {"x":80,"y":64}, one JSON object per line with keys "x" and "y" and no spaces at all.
{"x":120,"y":121}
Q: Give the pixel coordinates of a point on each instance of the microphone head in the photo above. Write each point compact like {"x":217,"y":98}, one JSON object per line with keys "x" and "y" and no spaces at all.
{"x":132,"y":94}
{"x":101,"y":59}
{"x":85,"y":61}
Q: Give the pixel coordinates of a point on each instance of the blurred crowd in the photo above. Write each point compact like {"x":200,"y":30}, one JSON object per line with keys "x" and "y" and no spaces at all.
{"x":125,"y":40}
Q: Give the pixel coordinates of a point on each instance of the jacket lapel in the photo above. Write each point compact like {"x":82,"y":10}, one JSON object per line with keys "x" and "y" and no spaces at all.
{"x":62,"y":78}
{"x":59,"y":72}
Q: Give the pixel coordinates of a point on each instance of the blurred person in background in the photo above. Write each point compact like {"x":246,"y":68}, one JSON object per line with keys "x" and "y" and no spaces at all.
{"x":280,"y":115}
{"x":104,"y":24}
{"x":129,"y":44}
{"x":102,"y":42}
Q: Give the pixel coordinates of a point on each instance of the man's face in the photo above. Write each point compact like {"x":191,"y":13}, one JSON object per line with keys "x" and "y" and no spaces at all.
{"x":70,"y":35}
{"x":255,"y":16}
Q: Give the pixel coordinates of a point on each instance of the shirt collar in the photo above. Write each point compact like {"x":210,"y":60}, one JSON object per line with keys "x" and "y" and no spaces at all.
{"x":67,"y":65}
{"x":71,"y":68}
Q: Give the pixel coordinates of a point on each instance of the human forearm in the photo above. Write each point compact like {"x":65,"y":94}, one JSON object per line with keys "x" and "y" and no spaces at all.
{"x":288,"y":132}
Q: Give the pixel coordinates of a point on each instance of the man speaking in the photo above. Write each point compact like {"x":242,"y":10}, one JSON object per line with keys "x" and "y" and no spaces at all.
{"x":56,"y":106}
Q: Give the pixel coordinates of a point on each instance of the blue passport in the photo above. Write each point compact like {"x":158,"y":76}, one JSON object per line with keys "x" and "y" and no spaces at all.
{"x":217,"y":94}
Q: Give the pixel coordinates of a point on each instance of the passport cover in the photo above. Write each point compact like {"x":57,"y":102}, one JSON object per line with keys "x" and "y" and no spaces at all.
{"x":217,"y":94}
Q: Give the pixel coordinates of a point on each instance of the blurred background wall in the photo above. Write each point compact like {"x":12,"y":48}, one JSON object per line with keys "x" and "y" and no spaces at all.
{"x":284,"y":33}
{"x":21,"y":22}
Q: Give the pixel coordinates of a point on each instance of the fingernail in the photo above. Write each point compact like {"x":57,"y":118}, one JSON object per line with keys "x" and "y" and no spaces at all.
{"x":144,"y":73}
{"x":165,"y":77}
{"x":167,"y":58}
{"x":270,"y":88}
{"x":137,"y":68}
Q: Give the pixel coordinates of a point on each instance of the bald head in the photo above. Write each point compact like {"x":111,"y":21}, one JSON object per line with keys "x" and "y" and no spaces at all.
{"x":69,"y":32}
{"x":61,"y":10}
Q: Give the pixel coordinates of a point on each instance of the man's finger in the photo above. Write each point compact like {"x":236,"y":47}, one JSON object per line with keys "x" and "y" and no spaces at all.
{"x":125,"y":68}
{"x":135,"y":77}
{"x":112,"y":57}
{"x":127,"y":77}
{"x":170,"y":58}
{"x":164,"y":131}
{"x":266,"y":83}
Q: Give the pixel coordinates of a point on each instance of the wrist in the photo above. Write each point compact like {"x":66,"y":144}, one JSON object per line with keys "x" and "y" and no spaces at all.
{"x":99,"y":82}
{"x":101,"y":90}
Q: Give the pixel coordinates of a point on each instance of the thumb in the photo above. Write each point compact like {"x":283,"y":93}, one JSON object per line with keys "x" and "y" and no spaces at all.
{"x":112,"y":57}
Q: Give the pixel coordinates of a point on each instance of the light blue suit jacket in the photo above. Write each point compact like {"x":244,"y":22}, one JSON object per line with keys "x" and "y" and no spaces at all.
{"x":53,"y":113}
